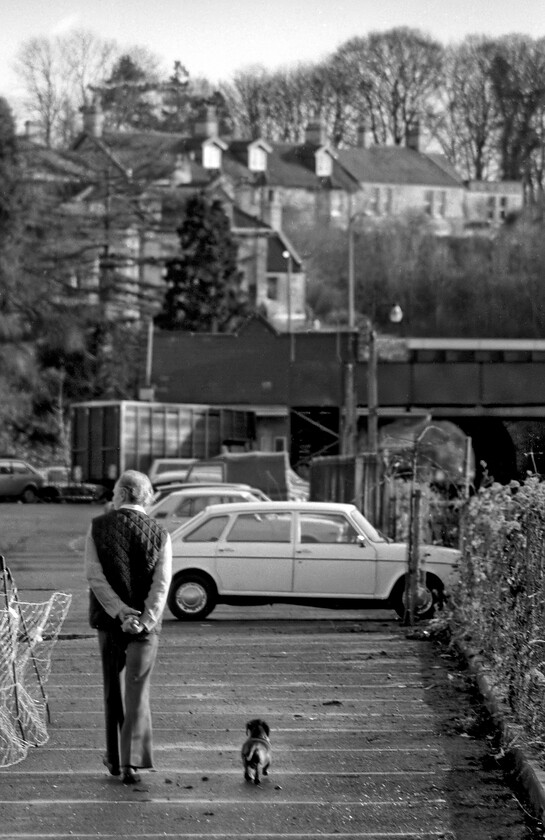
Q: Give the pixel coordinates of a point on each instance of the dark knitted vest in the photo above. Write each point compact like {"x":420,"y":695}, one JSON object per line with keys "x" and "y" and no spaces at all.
{"x":128,"y":544}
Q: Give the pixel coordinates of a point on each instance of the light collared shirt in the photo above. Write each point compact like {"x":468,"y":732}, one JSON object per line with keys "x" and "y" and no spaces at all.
{"x":110,"y":600}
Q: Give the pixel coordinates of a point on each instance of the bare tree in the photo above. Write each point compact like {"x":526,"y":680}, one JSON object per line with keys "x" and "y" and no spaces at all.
{"x":397,"y":76}
{"x":247,"y":101}
{"x":39,"y":66}
{"x":518,"y":76}
{"x":467,"y":127}
{"x":58,"y":75}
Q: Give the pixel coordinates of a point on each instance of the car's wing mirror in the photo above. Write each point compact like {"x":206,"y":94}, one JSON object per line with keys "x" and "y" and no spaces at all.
{"x":361,"y":541}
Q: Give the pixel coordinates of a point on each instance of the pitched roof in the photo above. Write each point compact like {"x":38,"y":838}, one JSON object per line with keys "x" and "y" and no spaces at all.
{"x":397,"y":165}
{"x":292,"y":165}
{"x":41,"y":162}
{"x":149,"y":155}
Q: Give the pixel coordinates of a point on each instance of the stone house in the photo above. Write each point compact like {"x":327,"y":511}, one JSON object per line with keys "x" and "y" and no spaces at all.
{"x":142,"y":182}
{"x":308,"y":184}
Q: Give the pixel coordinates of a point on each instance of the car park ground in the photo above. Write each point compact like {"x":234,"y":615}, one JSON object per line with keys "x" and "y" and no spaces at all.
{"x":376,"y":731}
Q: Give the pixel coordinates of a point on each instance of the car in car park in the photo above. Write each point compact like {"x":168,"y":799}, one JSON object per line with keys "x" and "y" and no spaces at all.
{"x":180,"y":505}
{"x":312,"y":553}
{"x":59,"y":486}
{"x":163,"y":470}
{"x":167,"y":489}
{"x":20,"y":480}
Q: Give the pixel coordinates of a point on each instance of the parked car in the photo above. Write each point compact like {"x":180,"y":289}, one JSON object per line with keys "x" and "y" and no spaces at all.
{"x":169,"y":469}
{"x":312,"y":553}
{"x":20,"y":480}
{"x":181,"y":505}
{"x":60,"y":487}
{"x":165,"y":490}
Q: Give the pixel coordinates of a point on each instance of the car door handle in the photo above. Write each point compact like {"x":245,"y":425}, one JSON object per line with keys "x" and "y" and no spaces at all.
{"x":303,"y":551}
{"x":227,"y":550}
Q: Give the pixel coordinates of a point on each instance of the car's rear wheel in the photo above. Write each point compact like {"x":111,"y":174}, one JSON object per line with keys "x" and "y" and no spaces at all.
{"x":192,"y":596}
{"x":29,"y":495}
{"x":429,"y":597}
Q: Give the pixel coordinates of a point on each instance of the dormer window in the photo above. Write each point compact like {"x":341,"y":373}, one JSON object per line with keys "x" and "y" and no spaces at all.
{"x":257,"y":155}
{"x":324,"y":164}
{"x":257,"y":159}
{"x":211,"y":156}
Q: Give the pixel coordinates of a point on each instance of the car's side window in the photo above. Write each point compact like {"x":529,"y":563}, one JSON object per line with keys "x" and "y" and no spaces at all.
{"x":19,"y":468}
{"x":5,"y":469}
{"x":261,"y":527}
{"x":209,"y":531}
{"x":326,"y":528}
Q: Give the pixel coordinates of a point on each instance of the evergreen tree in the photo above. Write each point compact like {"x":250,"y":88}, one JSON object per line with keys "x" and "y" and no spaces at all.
{"x":204,"y":291}
{"x":126,"y":96}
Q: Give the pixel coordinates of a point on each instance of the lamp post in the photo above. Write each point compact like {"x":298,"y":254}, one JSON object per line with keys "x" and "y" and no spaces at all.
{"x":350,"y":426}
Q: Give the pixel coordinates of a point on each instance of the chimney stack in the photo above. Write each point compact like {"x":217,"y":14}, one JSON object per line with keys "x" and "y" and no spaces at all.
{"x":93,"y":117}
{"x":413,"y":136}
{"x":362,"y":140}
{"x":315,"y":134}
{"x":32,"y":130}
{"x":206,"y":124}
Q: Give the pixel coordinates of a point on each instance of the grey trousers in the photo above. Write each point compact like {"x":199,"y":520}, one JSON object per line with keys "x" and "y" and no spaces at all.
{"x":127,"y":663}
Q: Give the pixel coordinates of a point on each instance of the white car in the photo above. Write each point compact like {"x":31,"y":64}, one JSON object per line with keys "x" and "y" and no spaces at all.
{"x":312,"y":553}
{"x":183,"y":504}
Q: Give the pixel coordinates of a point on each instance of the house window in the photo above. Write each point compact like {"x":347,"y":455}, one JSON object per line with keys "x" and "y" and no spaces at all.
{"x":272,"y":288}
{"x":442,"y":204}
{"x":503,"y":207}
{"x":389,"y":203}
{"x":375,"y":204}
{"x":211,"y":157}
{"x":335,"y":204}
{"x":257,"y":159}
{"x":428,"y":202}
{"x":280,"y":444}
{"x":491,"y":208}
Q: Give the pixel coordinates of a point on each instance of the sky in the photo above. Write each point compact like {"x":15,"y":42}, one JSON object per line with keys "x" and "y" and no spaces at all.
{"x":215,"y":38}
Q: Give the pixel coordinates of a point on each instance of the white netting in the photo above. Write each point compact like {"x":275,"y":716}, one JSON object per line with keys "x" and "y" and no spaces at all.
{"x":28,"y":633}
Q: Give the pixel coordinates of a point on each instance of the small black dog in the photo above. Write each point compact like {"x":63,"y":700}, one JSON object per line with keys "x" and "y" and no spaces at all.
{"x":256,"y":750}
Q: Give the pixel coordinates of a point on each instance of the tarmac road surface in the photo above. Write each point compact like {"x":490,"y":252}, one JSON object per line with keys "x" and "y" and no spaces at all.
{"x":376,"y":732}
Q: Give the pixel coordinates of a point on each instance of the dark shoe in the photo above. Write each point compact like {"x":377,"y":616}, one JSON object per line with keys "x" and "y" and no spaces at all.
{"x":129,"y":777}
{"x":113,"y":769}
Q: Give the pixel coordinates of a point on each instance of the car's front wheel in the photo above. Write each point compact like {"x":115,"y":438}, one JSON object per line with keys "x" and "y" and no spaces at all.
{"x":192,"y":596}
{"x":428,"y":597}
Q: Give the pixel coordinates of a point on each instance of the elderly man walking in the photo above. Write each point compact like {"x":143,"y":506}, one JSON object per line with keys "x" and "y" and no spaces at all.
{"x":128,"y":559}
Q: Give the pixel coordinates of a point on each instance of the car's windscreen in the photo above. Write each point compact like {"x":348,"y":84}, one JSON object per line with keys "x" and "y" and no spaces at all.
{"x":369,"y":530}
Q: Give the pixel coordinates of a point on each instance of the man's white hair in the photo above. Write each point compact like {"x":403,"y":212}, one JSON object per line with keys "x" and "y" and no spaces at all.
{"x":137,"y":485}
